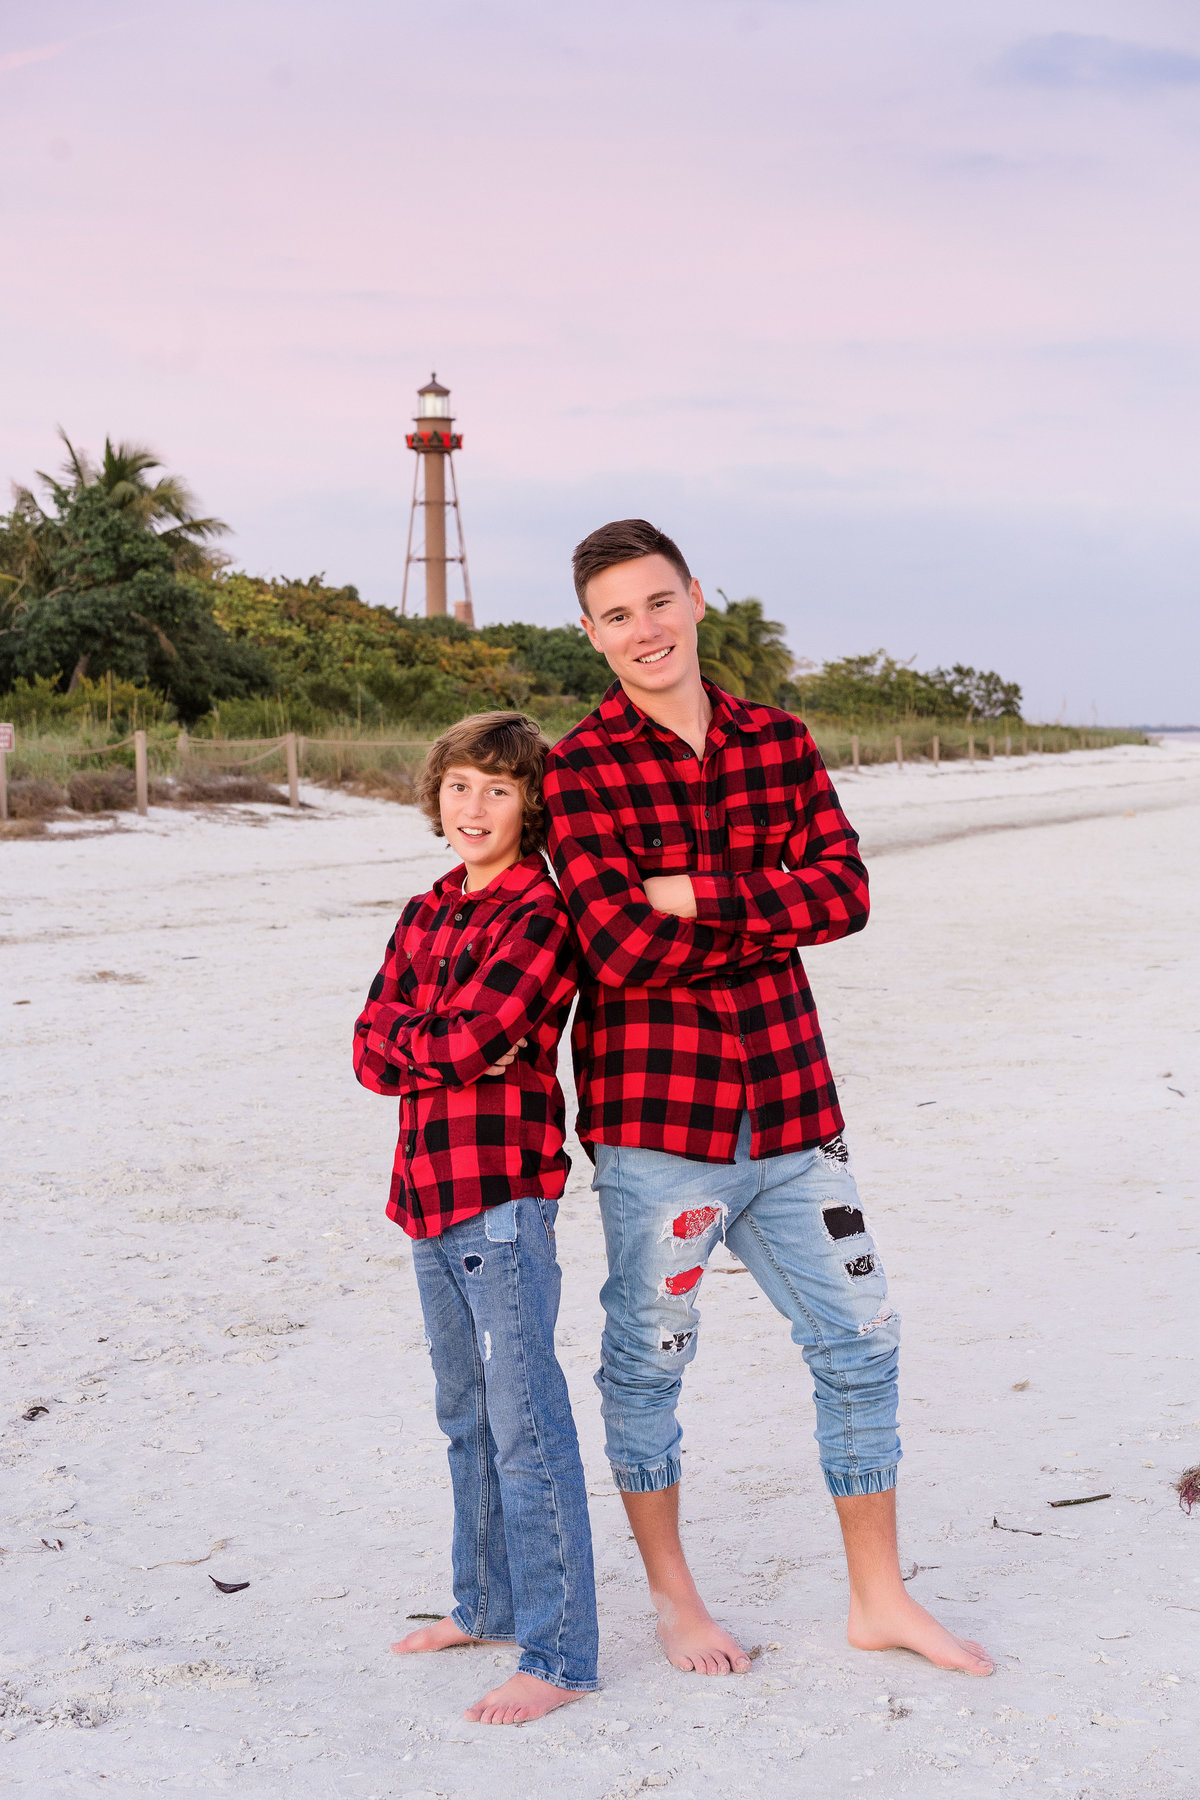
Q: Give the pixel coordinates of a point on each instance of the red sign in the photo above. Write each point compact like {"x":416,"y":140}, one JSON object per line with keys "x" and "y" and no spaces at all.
{"x":8,"y":737}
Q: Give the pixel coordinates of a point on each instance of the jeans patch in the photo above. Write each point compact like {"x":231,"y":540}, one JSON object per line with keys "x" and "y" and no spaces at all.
{"x":684,"y":1282}
{"x":862,"y":1265}
{"x":843,"y":1221}
{"x":695,"y":1223}
{"x":675,"y":1342}
{"x":836,"y":1150}
{"x":472,"y":1264}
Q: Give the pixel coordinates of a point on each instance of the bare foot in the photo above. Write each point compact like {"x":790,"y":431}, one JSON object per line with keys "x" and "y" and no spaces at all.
{"x":692,"y":1640}
{"x":445,"y":1635}
{"x":519,"y":1699}
{"x":907,"y":1626}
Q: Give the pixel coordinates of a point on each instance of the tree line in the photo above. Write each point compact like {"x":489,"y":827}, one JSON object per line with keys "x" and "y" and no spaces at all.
{"x":114,"y":593}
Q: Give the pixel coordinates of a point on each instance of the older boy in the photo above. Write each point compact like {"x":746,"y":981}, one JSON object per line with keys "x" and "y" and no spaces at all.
{"x":699,"y":842}
{"x":463,"y":1022}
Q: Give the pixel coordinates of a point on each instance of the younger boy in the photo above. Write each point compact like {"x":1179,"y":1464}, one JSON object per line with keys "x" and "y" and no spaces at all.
{"x":462,"y":1023}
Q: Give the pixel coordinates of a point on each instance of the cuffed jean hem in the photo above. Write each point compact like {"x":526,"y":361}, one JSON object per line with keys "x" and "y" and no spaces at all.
{"x":525,"y":1667}
{"x":648,"y":1481}
{"x":869,"y":1481}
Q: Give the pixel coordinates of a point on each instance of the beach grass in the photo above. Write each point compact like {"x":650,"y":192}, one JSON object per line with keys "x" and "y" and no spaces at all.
{"x":91,"y":769}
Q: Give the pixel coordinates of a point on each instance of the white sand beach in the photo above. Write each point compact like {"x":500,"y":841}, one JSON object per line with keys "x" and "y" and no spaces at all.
{"x":203,"y":1293}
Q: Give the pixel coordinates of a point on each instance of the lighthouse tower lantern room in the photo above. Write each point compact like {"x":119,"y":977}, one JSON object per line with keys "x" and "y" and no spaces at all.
{"x":435,"y":443}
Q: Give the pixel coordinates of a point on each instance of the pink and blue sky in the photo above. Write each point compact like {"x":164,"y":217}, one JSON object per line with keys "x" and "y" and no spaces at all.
{"x":888,"y":310}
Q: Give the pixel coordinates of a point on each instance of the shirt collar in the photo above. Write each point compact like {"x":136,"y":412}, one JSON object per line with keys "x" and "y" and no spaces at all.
{"x":508,"y":886}
{"x":623,"y":719}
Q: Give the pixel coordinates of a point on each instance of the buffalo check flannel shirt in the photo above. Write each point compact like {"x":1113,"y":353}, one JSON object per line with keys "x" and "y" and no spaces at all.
{"x":684,"y":1024}
{"x":466,"y":976}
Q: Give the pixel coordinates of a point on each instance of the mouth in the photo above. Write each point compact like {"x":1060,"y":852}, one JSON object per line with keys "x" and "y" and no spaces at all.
{"x":475,"y":832}
{"x":654,"y":656}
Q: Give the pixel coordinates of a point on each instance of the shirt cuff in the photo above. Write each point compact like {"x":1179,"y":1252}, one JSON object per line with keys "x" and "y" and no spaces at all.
{"x":717,"y":900}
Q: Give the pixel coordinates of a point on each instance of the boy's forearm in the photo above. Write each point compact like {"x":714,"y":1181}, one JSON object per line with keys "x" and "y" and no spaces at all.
{"x":787,"y":908}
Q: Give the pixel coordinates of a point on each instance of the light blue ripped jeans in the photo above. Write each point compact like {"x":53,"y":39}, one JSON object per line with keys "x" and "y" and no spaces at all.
{"x":796,"y":1223}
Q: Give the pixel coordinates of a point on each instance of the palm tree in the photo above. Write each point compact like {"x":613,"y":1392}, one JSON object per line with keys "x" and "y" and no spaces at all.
{"x":123,"y":477}
{"x":744,"y":652}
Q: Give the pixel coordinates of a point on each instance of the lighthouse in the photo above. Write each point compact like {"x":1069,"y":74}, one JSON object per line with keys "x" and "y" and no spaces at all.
{"x":435,"y":442}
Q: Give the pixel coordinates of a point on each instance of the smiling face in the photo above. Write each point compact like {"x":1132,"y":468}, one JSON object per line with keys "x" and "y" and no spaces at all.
{"x":483,"y":817}
{"x":643,"y":619}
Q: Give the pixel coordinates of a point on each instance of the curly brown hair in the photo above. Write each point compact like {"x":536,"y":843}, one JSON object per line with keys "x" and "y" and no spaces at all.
{"x":497,"y":743}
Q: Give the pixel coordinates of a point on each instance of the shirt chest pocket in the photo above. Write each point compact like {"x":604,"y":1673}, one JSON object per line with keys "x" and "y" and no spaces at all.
{"x":757,"y":833}
{"x":661,"y":846}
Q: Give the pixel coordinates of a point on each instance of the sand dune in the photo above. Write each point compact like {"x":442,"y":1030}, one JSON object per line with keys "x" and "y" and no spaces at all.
{"x":203,"y":1294}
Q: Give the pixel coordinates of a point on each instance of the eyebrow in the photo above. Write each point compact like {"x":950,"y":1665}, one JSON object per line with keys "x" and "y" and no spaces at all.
{"x":661,"y":594}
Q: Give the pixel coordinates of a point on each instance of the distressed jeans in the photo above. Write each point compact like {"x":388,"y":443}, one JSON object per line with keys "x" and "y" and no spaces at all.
{"x":522,"y":1552}
{"x":796,"y":1223}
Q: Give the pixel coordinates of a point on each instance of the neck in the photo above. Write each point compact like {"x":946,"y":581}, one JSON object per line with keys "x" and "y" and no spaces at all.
{"x":684,"y":709}
{"x":483,"y":876}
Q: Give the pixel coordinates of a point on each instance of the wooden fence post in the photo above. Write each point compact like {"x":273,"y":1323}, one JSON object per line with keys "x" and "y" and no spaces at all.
{"x":1024,"y":745}
{"x":991,"y":749}
{"x":181,"y":748}
{"x":970,"y":746}
{"x":141,"y":780}
{"x":899,"y":753}
{"x":8,"y":738}
{"x":937,"y":753}
{"x":1007,"y":744}
{"x":1041,"y":744}
{"x":854,"y":753}
{"x":293,"y":771}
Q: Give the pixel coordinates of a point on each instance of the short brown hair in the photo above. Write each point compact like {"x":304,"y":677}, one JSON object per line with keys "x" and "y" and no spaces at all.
{"x":624,"y":540}
{"x":498,"y":743}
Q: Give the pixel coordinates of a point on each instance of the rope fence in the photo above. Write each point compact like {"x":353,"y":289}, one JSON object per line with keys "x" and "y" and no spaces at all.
{"x":293,"y":747}
{"x":106,"y":749}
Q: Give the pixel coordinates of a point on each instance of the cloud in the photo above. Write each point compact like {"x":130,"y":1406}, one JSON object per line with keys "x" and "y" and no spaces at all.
{"x":1068,"y":59}
{"x":17,"y":59}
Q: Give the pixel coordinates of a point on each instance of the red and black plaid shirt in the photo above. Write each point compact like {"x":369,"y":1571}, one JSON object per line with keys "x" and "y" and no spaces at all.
{"x":685,"y":1024}
{"x":467,"y":976}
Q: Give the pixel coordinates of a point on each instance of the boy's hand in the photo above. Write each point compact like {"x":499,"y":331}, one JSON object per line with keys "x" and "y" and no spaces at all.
{"x":671,"y":894}
{"x":499,"y":1067}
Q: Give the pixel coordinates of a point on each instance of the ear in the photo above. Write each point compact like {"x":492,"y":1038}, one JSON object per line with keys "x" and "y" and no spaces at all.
{"x":585,"y":619}
{"x":696,"y":593}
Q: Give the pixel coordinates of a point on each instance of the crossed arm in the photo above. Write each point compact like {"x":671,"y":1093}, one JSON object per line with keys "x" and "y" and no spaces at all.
{"x":399,"y":1047}
{"x":663,"y":930}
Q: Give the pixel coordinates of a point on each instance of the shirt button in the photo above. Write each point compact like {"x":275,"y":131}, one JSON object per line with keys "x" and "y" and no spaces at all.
{"x":441,"y":962}
{"x":657,"y":843}
{"x":458,"y":918}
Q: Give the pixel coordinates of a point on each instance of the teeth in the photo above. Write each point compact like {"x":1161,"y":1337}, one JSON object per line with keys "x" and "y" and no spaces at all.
{"x":656,"y":656}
